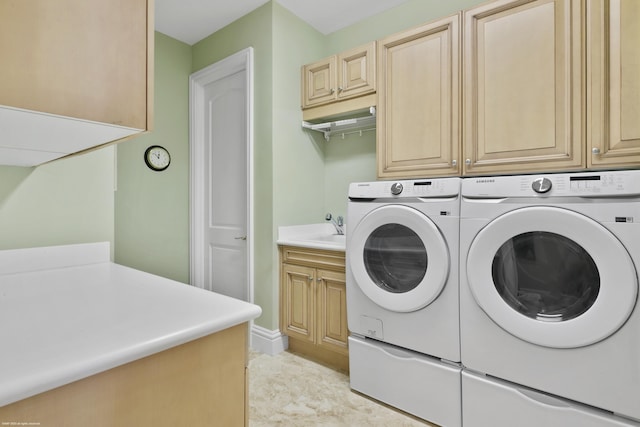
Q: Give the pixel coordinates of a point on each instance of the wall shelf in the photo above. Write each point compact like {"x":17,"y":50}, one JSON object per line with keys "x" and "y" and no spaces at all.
{"x":345,"y":126}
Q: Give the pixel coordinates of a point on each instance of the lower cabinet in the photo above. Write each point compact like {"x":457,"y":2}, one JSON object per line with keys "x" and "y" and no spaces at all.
{"x":313,"y":309}
{"x":200,"y":383}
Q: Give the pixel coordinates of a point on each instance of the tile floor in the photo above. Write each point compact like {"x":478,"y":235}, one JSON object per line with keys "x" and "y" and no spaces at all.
{"x":288,"y":390}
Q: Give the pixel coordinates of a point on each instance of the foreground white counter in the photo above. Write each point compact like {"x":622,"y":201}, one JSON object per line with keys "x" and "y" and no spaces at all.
{"x":68,"y":313}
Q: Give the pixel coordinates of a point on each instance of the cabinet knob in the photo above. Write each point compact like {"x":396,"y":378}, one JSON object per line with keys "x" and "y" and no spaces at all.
{"x":332,"y":91}
{"x":454,"y":163}
{"x":340,"y":89}
{"x":467,"y":162}
{"x":595,"y":150}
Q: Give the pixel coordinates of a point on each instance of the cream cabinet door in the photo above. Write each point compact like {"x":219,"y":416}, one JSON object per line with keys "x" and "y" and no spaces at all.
{"x":332,"y":310}
{"x":418,"y":130}
{"x":523,"y":86}
{"x":319,"y":82}
{"x":347,"y":75}
{"x":298,"y":302}
{"x":613,"y":49}
{"x":357,"y":71}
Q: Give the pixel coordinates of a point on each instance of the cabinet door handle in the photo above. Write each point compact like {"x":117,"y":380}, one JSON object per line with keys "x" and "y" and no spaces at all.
{"x":454,"y":163}
{"x":340,"y":89}
{"x":332,"y":91}
{"x":467,"y":162}
{"x":240,"y":238}
{"x":595,"y":150}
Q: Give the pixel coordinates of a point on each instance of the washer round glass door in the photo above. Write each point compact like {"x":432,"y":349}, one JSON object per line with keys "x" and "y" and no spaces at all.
{"x":552,"y":277}
{"x":399,"y":258}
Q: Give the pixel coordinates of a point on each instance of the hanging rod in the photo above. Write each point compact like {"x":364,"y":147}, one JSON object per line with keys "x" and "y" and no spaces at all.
{"x":344,"y":127}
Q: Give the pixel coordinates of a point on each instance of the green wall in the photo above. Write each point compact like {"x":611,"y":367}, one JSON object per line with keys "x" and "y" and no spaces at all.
{"x":64,"y":202}
{"x":298,"y":159}
{"x":256,"y":30}
{"x":152,"y":208}
{"x":281,"y":42}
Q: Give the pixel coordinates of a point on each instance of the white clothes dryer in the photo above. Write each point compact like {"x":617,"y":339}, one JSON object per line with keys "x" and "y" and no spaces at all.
{"x":402,"y":295}
{"x":549,"y":284}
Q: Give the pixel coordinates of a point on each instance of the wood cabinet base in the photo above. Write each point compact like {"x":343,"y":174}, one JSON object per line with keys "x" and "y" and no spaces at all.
{"x":200,"y":383}
{"x":313,"y":304}
{"x":318,"y":354}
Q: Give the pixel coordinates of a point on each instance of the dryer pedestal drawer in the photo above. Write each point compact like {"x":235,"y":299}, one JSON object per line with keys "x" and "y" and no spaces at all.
{"x":491,"y":402}
{"x":409,"y":381}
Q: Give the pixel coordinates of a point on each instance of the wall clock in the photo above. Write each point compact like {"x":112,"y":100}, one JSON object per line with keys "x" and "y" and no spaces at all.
{"x":157,"y":158}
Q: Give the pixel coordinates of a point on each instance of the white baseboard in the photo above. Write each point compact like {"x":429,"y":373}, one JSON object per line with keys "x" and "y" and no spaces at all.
{"x":268,"y":341}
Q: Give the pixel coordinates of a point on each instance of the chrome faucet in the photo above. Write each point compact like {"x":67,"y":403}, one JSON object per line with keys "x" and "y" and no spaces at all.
{"x":339,"y":224}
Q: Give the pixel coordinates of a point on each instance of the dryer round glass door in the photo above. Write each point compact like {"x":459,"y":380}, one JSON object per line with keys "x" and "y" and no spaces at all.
{"x":399,"y":258}
{"x":552,"y":277}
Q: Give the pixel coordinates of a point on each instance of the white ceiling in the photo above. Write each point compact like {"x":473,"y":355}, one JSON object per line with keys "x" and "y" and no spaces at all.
{"x":192,"y":20}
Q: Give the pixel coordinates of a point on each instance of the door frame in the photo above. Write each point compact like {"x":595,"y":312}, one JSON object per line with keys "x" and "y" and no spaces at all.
{"x":237,"y":62}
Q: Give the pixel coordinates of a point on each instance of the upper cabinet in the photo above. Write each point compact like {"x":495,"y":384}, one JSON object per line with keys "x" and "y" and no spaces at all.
{"x":613,"y":83}
{"x":544,"y":86}
{"x":523,"y":86}
{"x":76,"y":74}
{"x":418,"y":126}
{"x":337,"y":84}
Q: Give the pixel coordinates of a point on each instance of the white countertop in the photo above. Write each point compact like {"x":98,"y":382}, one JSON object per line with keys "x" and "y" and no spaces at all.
{"x":69,"y":320}
{"x":317,"y":236}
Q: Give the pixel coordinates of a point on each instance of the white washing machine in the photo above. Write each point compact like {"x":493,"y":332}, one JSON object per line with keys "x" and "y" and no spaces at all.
{"x":549,"y":285}
{"x":402,"y":295}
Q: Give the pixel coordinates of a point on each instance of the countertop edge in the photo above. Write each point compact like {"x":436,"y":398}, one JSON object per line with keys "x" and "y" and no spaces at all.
{"x":28,"y":387}
{"x":29,"y":380}
{"x":311,"y":245}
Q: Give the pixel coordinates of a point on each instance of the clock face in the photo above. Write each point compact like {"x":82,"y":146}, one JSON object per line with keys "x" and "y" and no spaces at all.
{"x":157,"y":158}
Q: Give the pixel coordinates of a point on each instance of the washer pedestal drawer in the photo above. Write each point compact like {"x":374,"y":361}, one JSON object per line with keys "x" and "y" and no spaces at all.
{"x":410,"y":381}
{"x":492,"y":402}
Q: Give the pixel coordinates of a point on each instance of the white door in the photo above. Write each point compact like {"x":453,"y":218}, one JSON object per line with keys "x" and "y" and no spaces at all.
{"x":225,"y":187}
{"x":221,"y":166}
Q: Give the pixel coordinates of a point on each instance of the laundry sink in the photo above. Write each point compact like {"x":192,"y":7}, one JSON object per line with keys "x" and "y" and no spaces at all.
{"x":320,"y":236}
{"x":334,"y":238}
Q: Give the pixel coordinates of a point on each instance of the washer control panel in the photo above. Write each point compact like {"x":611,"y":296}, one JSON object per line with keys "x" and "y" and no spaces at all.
{"x":581,"y":184}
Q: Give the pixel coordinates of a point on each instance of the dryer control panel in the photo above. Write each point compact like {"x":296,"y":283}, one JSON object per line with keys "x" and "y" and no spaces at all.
{"x":582,"y":184}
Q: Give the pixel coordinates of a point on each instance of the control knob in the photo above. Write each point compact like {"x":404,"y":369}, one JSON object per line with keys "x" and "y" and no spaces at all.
{"x":396,"y":188}
{"x":541,"y":185}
